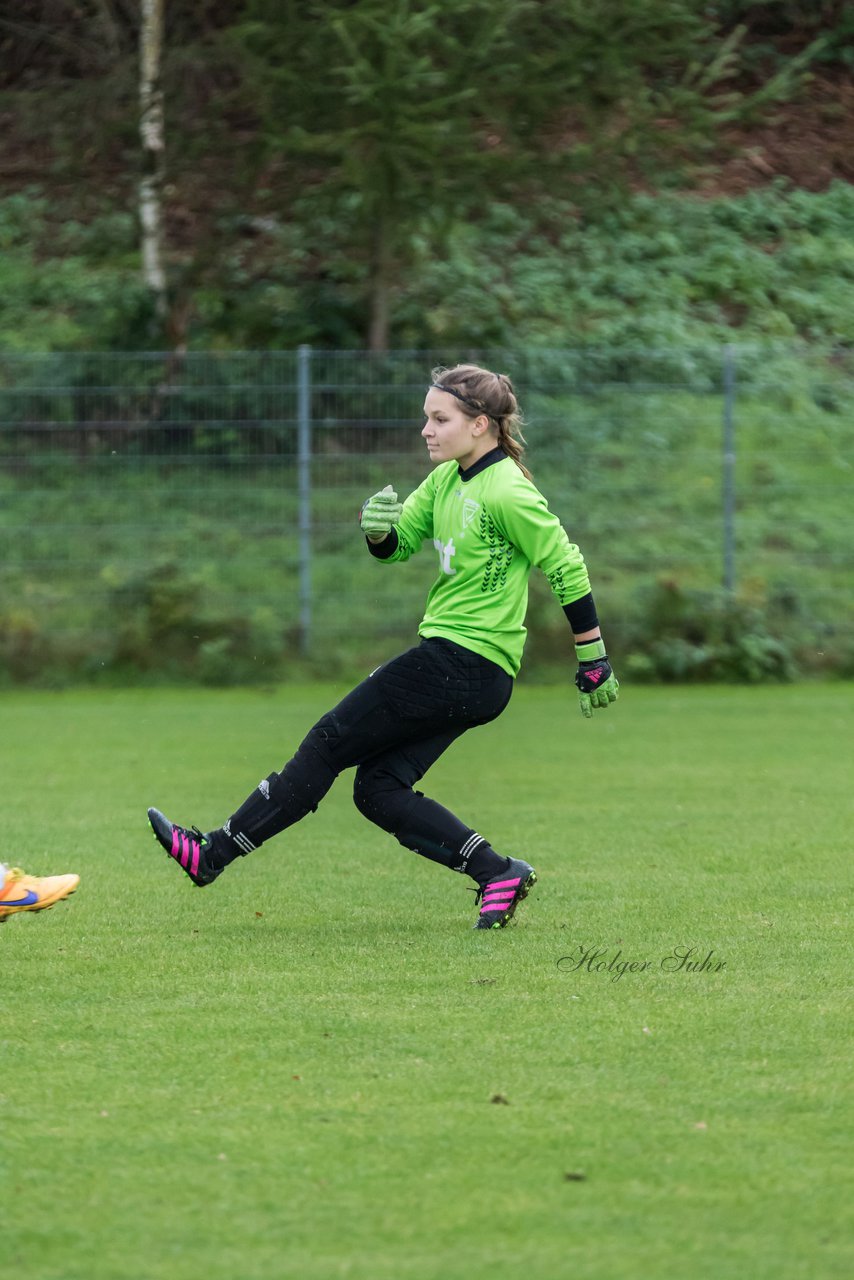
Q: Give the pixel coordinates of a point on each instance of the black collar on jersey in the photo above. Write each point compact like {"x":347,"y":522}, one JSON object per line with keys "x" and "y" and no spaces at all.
{"x":494,"y":455}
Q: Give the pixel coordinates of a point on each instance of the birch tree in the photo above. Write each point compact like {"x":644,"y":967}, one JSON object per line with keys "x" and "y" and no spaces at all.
{"x":153,"y":152}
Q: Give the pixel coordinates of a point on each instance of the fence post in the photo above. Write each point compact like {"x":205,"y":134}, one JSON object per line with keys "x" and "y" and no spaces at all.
{"x":728,"y":470}
{"x":304,"y":490}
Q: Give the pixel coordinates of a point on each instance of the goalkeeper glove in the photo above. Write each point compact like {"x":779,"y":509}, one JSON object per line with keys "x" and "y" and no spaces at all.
{"x":380,"y":512}
{"x":597,"y":685}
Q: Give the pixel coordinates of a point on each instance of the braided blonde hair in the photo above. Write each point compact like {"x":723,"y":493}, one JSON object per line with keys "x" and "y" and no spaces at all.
{"x":492,"y":394}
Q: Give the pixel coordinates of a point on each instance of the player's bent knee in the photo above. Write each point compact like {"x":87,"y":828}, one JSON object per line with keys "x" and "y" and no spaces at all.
{"x":380,"y":798}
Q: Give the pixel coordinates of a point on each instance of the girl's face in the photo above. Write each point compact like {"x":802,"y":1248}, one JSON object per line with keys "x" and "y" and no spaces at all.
{"x":451,"y":436}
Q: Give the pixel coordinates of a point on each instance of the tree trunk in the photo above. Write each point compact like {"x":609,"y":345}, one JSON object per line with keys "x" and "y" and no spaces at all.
{"x":381,"y":273}
{"x":153,"y":151}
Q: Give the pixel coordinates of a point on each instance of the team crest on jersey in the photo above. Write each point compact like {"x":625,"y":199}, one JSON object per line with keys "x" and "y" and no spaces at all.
{"x":470,"y":510}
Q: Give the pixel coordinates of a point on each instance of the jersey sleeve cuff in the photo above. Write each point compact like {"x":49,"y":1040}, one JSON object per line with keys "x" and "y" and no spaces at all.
{"x":581,"y":614}
{"x":388,"y":546}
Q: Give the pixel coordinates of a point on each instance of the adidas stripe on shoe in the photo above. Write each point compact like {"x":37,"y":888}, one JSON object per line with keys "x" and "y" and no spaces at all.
{"x":500,"y":897}
{"x":187,"y":846}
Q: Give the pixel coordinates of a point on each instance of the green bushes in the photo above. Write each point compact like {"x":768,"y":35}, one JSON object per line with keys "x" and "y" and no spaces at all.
{"x":669,"y":271}
{"x":673,"y":635}
{"x":158,"y":623}
{"x":75,"y":287}
{"x":167,"y":624}
{"x":664,"y":271}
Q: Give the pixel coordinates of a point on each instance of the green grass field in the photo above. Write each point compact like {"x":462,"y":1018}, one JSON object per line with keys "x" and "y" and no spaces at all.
{"x":315,"y":1069}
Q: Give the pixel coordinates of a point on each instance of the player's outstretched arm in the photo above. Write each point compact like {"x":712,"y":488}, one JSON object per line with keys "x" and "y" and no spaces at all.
{"x":595,"y":680}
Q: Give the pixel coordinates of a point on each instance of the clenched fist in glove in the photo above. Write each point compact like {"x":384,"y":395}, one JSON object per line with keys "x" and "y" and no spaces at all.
{"x":379,"y":514}
{"x":597,"y":685}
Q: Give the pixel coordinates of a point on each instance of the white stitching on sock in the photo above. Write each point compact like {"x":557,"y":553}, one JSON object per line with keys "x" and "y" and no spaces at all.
{"x":468,"y":849}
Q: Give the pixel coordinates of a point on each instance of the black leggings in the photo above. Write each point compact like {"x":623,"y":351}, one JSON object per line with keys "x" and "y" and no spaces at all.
{"x":393,"y":727}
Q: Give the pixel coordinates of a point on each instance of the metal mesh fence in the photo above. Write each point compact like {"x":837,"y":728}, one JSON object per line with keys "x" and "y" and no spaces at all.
{"x":158,"y":506}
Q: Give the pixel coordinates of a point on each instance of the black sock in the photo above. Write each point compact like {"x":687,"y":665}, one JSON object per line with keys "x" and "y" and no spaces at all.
{"x":437,"y":834}
{"x":255,"y":821}
{"x":485,"y":864}
{"x":222,"y":849}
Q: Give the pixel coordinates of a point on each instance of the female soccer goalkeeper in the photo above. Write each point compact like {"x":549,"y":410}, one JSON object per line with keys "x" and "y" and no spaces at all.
{"x":489,"y":524}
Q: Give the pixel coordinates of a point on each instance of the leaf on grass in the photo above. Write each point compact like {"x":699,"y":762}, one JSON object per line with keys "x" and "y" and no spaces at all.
{"x":259,"y":914}
{"x":500,"y":1100}
{"x":575,"y":1176}
{"x":483,"y":982}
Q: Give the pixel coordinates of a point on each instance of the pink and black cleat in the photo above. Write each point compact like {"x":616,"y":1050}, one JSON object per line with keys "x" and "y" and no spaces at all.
{"x":187,"y":846}
{"x":500,"y":897}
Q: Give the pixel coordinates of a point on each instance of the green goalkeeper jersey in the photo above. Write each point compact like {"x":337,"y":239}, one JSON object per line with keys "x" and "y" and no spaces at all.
{"x":489,"y":526}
